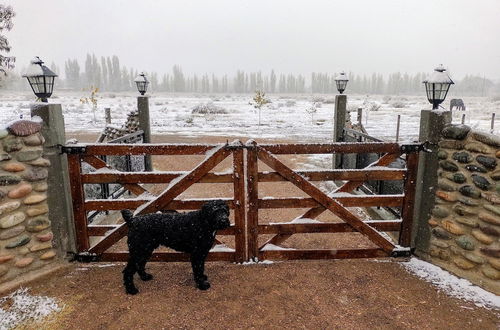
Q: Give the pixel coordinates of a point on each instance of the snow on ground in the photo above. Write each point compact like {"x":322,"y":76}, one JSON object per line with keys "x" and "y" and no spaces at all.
{"x":20,"y":307}
{"x":452,"y":285}
{"x":285,"y":117}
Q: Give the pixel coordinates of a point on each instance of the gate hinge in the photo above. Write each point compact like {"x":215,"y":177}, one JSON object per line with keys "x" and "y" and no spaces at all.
{"x":401,"y":252}
{"x":411,"y":147}
{"x":85,"y":257}
{"x":72,"y":149}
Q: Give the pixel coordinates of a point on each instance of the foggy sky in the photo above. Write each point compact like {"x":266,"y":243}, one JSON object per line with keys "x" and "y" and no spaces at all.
{"x":221,"y":36}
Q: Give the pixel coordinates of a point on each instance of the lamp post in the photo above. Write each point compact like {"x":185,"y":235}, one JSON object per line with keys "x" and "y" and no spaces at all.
{"x":142,"y":83}
{"x":437,"y":86}
{"x":40,"y":78}
{"x":341,"y":81}
{"x":143,"y":113}
{"x":339,"y":116}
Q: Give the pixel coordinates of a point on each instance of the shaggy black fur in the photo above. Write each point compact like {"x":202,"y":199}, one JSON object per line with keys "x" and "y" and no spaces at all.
{"x":192,"y":232}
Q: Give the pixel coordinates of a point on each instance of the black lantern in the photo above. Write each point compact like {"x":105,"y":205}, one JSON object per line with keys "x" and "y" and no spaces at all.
{"x":341,"y":81}
{"x":41,"y":79}
{"x":437,"y":86}
{"x":142,"y":83}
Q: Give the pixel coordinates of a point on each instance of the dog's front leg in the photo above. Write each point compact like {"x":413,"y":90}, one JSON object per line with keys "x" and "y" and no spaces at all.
{"x":198,"y":265}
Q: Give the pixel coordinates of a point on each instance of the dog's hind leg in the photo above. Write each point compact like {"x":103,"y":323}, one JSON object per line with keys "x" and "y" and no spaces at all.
{"x":128,"y":277}
{"x":198,"y":265}
{"x":141,"y":266}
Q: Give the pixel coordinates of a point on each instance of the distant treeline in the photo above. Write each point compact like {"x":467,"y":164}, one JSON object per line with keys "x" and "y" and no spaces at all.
{"x":109,"y":75}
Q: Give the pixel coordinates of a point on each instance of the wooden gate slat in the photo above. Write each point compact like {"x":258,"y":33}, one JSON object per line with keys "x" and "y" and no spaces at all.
{"x":97,"y":163}
{"x":252,"y":195}
{"x":349,"y":186}
{"x":323,"y":199}
{"x":78,"y":196}
{"x":218,"y":155}
{"x":409,"y":200}
{"x":346,"y":187}
{"x":239,"y":204}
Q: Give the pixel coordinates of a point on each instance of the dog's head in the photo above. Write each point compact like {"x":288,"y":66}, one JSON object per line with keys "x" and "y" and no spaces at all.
{"x":217,"y":214}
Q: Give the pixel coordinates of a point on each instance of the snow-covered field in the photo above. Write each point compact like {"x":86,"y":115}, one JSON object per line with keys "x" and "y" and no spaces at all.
{"x":285,"y":117}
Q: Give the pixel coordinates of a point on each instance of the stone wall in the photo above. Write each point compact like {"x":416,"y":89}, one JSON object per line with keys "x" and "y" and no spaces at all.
{"x":25,"y":233}
{"x":465,"y":221}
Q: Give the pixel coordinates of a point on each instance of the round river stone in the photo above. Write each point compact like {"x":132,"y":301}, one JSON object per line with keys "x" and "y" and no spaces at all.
{"x":488,"y":162}
{"x":12,"y":220}
{"x":462,"y":157}
{"x":469,"y":191}
{"x":11,"y":232}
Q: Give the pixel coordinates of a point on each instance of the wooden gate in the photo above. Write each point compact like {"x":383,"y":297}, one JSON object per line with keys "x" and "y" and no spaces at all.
{"x":148,"y":202}
{"x":246,"y":202}
{"x":335,"y":202}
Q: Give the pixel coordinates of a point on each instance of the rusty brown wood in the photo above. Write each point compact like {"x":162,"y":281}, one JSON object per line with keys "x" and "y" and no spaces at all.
{"x":409,"y":200}
{"x":328,"y":148}
{"x":148,"y":177}
{"x":168,"y":256}
{"x":329,"y":203}
{"x":111,"y":149}
{"x":322,"y":254}
{"x":109,"y":240}
{"x":102,"y":230}
{"x":347,"y":201}
{"x":252,"y":202}
{"x":353,"y":175}
{"x":325,"y":227}
{"x":217,"y":155}
{"x":239,"y":204}
{"x":99,"y":163}
{"x":351,"y":185}
{"x":132,"y":204}
{"x":78,"y":196}
{"x":285,"y":231}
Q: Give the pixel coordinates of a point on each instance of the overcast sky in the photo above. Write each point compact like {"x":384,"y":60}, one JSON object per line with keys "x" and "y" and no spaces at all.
{"x":221,"y":36}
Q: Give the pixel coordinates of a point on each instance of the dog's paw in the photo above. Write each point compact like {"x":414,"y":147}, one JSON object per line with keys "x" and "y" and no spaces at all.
{"x":203,"y":285}
{"x":146,"y":277}
{"x":131,"y":290}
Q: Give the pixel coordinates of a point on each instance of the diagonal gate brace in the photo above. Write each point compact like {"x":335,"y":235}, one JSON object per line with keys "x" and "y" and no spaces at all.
{"x":323,"y":199}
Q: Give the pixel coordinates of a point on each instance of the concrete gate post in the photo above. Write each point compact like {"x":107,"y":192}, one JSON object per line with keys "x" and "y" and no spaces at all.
{"x":339,"y":119}
{"x":431,"y":126}
{"x":58,"y":193}
{"x":144,"y":125}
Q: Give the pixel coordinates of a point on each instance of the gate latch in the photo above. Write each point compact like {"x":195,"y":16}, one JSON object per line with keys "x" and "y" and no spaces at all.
{"x":72,"y":149}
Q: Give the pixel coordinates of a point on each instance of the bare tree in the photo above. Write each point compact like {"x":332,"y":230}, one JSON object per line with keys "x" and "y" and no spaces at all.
{"x":6,"y":15}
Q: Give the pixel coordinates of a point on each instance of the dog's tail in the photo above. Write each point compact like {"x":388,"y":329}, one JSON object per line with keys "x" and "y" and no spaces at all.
{"x":127,"y":215}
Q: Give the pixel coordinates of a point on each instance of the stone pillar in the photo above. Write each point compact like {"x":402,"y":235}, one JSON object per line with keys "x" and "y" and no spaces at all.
{"x":144,"y":125}
{"x":431,"y":125}
{"x":58,"y":194}
{"x":339,"y":120}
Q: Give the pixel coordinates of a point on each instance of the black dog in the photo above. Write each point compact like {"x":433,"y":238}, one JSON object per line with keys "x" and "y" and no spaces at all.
{"x":192,"y":232}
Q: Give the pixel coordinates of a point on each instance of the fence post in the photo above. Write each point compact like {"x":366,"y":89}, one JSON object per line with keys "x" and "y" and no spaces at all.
{"x":397,"y":128}
{"x":339,"y":119}
{"x":144,"y":125}
{"x":360,"y":116}
{"x":431,"y":125}
{"x":107,"y":114}
{"x":492,"y":127}
{"x":58,"y":192}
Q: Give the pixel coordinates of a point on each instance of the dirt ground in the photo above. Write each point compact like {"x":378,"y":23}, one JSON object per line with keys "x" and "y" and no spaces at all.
{"x":343,"y":294}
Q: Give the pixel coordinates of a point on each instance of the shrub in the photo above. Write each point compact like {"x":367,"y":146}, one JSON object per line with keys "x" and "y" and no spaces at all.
{"x":329,"y":101}
{"x":290,"y":103}
{"x":386,"y":99}
{"x":398,"y":104}
{"x":316,"y":99}
{"x":208,"y":108}
{"x":495,"y":98}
